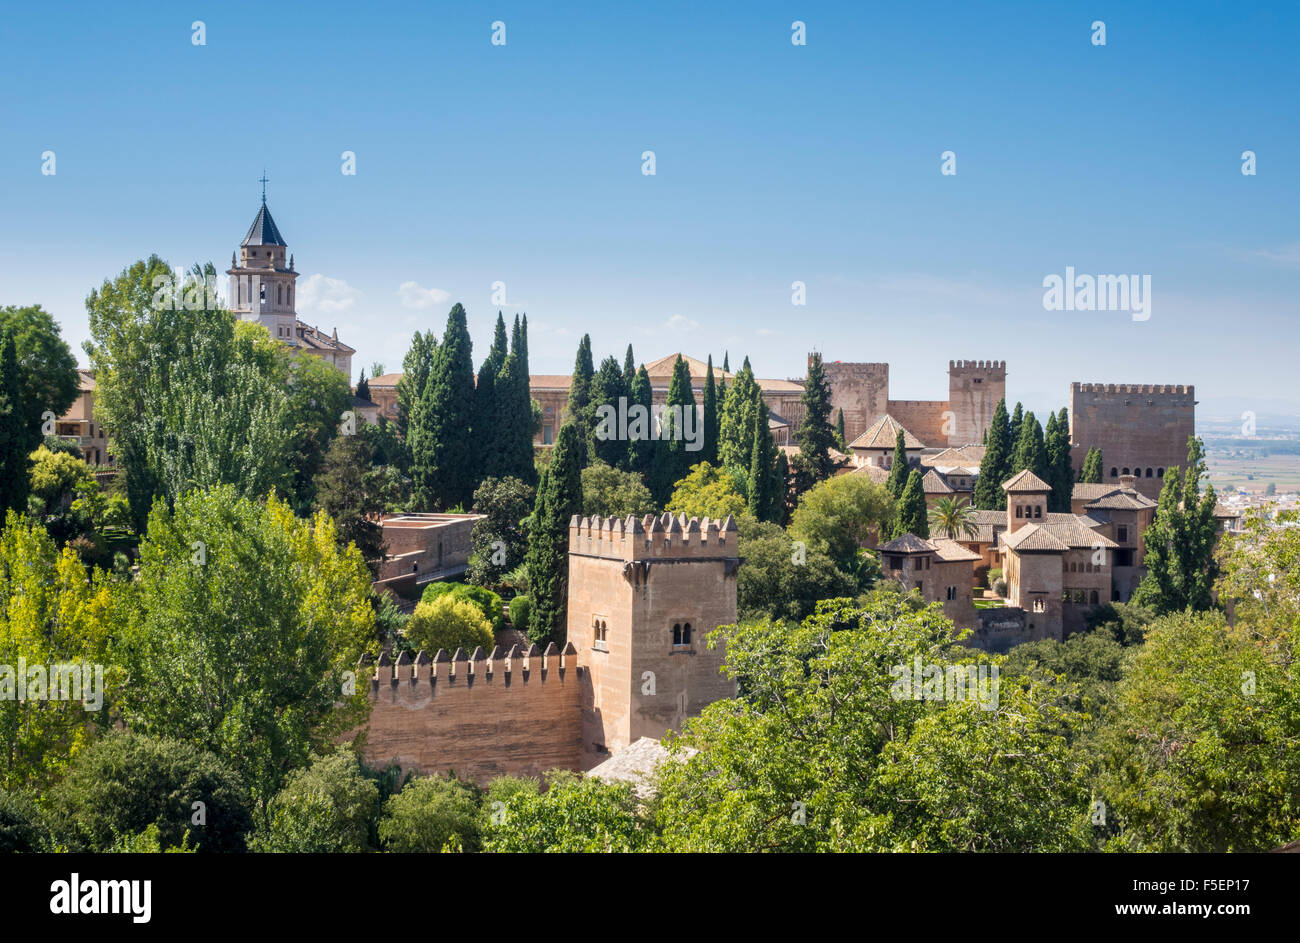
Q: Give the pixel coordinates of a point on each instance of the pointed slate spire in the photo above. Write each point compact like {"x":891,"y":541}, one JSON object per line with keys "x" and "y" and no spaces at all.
{"x":263,"y":232}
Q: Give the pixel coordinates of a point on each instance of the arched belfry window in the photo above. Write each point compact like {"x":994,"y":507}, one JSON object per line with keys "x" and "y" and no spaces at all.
{"x":681,"y":634}
{"x":677,"y":633}
{"x":1114,"y":472}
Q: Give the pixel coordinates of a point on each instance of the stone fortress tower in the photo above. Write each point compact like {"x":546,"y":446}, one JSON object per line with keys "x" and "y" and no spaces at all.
{"x":974,"y":389}
{"x":1140,"y":428}
{"x":643,"y":596}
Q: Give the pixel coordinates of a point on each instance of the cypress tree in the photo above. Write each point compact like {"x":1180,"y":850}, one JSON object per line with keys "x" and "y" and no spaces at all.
{"x":641,"y":448}
{"x":762,"y":485}
{"x":629,"y":367}
{"x":443,"y":448}
{"x":607,"y":389}
{"x":815,"y":436}
{"x":363,"y":386}
{"x":14,"y":482}
{"x":672,"y":460}
{"x":514,"y":423}
{"x":712,"y":421}
{"x":781,"y":490}
{"x":912,"y":517}
{"x":1017,"y":420}
{"x":487,"y":435}
{"x":726,"y":362}
{"x":559,"y":498}
{"x":1058,"y":462}
{"x":989,"y":495}
{"x":1091,"y":471}
{"x":843,"y":442}
{"x":1030,"y":452}
{"x":897,"y":480}
{"x":580,"y":394}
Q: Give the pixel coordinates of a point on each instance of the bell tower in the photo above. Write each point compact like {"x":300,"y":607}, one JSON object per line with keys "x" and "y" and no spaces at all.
{"x":262,"y":281}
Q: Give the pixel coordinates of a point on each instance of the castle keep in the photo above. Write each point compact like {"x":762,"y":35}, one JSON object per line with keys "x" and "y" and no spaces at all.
{"x":643,"y":596}
{"x":1141,"y":429}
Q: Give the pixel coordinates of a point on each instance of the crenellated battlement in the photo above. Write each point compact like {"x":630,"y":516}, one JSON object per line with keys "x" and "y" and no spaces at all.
{"x":461,"y":670}
{"x":1139,"y":389}
{"x":665,"y":537}
{"x":977,"y":365}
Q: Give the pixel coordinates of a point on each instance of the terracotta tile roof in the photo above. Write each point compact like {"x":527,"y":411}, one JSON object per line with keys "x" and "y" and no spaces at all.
{"x":1035,"y":538}
{"x":874,"y":472}
{"x":699,"y":369}
{"x":950,"y":551}
{"x":316,"y":339}
{"x":1088,"y":491}
{"x":963,"y":455}
{"x":908,"y":543}
{"x":87,"y":380}
{"x":550,"y":381}
{"x":1121,"y":501}
{"x":933,"y":483}
{"x":989,"y":523}
{"x":1025,"y":482}
{"x":883,"y":433}
{"x":386,"y":381}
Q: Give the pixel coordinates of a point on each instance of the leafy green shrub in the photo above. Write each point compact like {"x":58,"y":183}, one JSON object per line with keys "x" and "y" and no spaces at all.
{"x":521,"y":608}
{"x":22,"y":827}
{"x":125,"y":783}
{"x":448,"y":622}
{"x":488,"y":602}
{"x":430,"y":815}
{"x":328,"y":807}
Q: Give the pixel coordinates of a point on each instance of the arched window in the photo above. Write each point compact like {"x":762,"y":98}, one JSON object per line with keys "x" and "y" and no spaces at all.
{"x":279,"y":299}
{"x":1113,"y":472}
{"x":677,"y":633}
{"x":1093,"y":597}
{"x":1148,"y":471}
{"x":686,"y":634}
{"x":1127,"y":472}
{"x":1160,"y":473}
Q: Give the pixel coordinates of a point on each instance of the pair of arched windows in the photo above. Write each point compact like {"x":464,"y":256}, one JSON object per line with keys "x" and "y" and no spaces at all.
{"x":681,"y":633}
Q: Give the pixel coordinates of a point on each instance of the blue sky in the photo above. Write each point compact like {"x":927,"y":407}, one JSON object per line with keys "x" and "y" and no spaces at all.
{"x":522,"y":163}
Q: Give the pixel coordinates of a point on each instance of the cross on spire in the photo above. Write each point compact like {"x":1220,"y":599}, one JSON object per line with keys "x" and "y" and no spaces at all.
{"x":263,"y":182}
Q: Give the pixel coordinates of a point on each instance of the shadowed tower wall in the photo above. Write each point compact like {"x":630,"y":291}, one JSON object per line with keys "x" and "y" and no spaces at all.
{"x":1140,"y":428}
{"x":974,"y":389}
{"x":861,"y":390}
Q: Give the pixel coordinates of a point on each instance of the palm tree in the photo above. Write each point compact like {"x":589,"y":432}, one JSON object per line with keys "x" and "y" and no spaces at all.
{"x":950,"y":519}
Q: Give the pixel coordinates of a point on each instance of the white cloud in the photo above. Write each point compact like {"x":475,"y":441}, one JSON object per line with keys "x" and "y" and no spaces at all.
{"x":681,"y":324}
{"x":413,"y":296}
{"x":319,"y":294}
{"x":1288,"y":255}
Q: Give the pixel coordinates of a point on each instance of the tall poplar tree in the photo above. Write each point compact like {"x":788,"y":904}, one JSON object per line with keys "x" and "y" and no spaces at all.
{"x":559,"y":498}
{"x":629,"y":366}
{"x":1180,"y":564}
{"x":736,"y":440}
{"x":443,"y":448}
{"x":712,"y":419}
{"x":989,"y":495}
{"x":416,"y":367}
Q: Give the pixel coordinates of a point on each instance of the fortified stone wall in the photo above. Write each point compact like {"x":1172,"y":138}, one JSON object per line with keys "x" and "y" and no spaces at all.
{"x":925,"y":419}
{"x":1142,"y":428}
{"x":480,"y":716}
